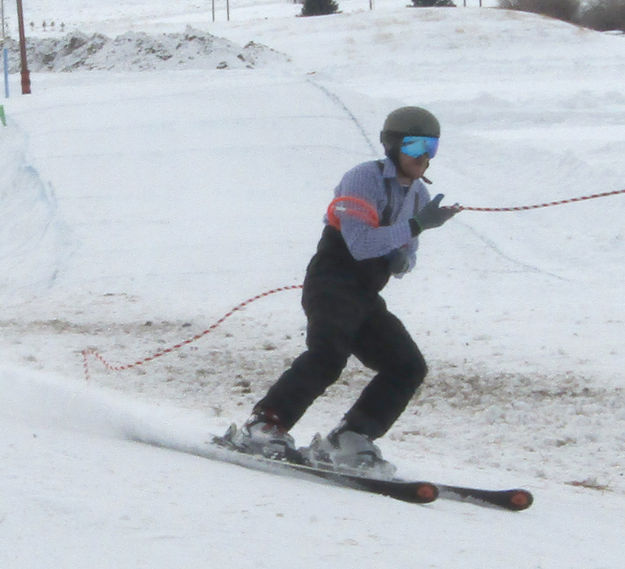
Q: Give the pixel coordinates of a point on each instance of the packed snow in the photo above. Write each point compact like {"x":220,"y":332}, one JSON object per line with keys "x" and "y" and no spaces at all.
{"x":152,"y":189}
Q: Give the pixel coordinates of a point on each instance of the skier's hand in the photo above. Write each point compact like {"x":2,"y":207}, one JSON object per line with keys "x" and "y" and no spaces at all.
{"x":432,"y":215}
{"x":398,"y":261}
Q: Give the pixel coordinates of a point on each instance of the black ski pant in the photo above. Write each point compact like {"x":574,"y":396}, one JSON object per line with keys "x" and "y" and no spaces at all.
{"x":345,"y":319}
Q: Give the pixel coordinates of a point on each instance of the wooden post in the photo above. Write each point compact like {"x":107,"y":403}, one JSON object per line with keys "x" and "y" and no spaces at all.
{"x":25,"y":73}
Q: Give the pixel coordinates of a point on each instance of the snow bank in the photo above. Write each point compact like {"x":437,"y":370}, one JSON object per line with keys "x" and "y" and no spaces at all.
{"x":139,"y":51}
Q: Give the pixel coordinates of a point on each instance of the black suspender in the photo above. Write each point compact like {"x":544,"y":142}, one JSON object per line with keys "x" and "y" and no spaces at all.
{"x":388,"y":208}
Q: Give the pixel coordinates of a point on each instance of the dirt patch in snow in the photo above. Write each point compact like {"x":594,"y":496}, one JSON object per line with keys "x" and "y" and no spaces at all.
{"x":561,"y":428}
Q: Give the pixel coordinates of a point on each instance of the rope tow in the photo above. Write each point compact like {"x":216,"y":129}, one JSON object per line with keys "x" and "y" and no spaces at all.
{"x":94,"y":353}
{"x":86,"y":353}
{"x":548,"y":204}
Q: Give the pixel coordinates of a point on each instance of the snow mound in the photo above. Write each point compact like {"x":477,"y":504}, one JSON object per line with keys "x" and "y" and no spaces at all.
{"x":138,"y":51}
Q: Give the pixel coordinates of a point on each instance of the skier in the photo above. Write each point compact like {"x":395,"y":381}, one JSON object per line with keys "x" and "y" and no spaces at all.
{"x":346,"y":314}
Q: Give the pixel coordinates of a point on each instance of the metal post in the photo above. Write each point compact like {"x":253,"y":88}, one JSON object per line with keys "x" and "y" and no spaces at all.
{"x":5,"y":63}
{"x":25,"y":73}
{"x":5,"y":54}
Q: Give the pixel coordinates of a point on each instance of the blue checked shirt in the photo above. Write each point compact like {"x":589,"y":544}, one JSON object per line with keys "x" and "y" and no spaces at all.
{"x":365,"y":181}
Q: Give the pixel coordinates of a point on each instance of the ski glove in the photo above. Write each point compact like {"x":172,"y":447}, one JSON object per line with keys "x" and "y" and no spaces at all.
{"x":432,"y":215}
{"x":398,"y":261}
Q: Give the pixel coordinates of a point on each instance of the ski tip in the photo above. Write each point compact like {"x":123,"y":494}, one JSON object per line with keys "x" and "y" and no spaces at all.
{"x":426,"y":493}
{"x":519,"y":500}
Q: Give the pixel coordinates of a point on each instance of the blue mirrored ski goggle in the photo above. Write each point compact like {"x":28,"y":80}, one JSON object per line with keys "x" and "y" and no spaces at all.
{"x":416,"y":146}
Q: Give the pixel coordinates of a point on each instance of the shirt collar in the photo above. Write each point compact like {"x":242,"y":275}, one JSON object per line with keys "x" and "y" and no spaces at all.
{"x":389,"y":170}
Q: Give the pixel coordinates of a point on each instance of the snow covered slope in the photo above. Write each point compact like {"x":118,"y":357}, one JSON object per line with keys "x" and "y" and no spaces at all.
{"x":138,"y":207}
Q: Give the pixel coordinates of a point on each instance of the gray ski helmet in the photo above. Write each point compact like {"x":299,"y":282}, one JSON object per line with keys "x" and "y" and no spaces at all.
{"x":408,"y":121}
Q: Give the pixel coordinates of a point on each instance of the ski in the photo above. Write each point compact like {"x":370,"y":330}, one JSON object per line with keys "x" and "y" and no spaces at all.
{"x":412,"y":491}
{"x":514,"y":500}
{"x":416,"y":491}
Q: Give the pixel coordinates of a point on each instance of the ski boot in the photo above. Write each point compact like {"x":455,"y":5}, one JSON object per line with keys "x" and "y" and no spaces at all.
{"x":262,"y":434}
{"x":347,"y":451}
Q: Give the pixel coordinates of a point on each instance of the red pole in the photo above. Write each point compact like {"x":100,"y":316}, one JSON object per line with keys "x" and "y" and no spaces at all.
{"x":25,"y":73}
